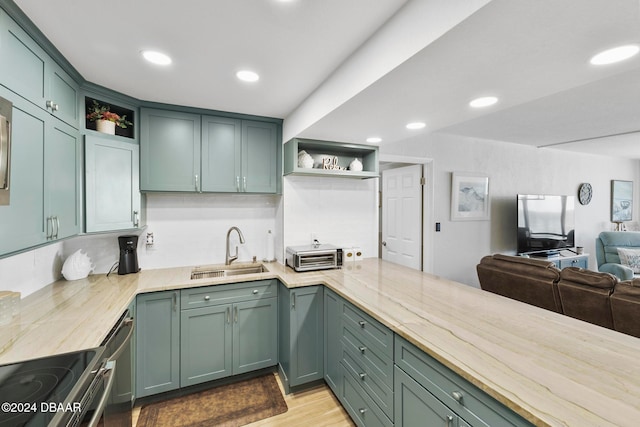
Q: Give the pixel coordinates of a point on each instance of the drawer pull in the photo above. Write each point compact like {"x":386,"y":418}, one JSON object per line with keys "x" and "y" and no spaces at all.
{"x":255,"y":291}
{"x":457,"y":396}
{"x":362,"y":349}
{"x":362,"y":411}
{"x":362,"y":323}
{"x":207,"y":298}
{"x":362,"y":375}
{"x":449,"y":420}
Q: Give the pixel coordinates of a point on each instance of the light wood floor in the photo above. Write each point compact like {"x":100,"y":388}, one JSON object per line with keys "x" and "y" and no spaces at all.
{"x":316,"y":407}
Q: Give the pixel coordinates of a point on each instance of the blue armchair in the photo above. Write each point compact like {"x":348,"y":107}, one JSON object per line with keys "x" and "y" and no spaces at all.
{"x":607,"y":244}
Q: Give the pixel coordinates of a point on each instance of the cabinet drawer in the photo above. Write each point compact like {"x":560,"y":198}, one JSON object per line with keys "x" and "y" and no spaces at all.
{"x":374,"y":386}
{"x":471,"y":403}
{"x":371,"y":332}
{"x":580,"y":262}
{"x":225,"y":294}
{"x":377,"y":363}
{"x":363,"y":411}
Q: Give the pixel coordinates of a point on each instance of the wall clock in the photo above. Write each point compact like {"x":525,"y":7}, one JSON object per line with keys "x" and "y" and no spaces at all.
{"x":585,"y":191}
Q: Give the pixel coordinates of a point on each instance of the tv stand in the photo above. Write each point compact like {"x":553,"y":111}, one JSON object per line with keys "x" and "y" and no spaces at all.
{"x":564,"y":258}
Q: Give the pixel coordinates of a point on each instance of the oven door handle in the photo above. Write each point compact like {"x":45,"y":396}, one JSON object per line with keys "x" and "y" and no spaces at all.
{"x":128,"y":322}
{"x":108,"y":371}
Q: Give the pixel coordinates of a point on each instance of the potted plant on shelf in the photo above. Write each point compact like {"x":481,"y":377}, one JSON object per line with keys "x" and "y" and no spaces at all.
{"x":106,"y":120}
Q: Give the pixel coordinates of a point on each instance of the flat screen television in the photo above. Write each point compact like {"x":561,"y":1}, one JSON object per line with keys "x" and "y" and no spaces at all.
{"x":546,"y":223}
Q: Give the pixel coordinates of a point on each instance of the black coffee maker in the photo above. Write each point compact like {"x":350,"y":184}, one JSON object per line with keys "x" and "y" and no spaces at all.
{"x":128,"y":254}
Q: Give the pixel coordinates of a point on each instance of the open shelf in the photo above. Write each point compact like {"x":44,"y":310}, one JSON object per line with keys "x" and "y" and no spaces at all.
{"x":342,"y":151}
{"x":127,"y":132}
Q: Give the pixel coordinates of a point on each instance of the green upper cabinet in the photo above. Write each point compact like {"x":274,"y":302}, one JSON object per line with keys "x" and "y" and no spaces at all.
{"x":193,"y":153}
{"x":62,"y":181}
{"x":45,"y":186}
{"x":221,"y":154}
{"x":260,"y":172}
{"x":169,"y":151}
{"x":34,"y":75}
{"x":113,"y":199}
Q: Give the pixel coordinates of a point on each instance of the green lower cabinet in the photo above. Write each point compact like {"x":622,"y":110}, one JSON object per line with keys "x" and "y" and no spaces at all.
{"x":227,"y":339}
{"x":332,"y":334}
{"x":362,"y":409}
{"x":301,"y":317}
{"x":415,"y":406}
{"x":205,"y":344}
{"x":420,"y":380}
{"x":157,"y":343}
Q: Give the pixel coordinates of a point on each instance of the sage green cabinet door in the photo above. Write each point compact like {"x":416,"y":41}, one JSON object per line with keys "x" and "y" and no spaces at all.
{"x":26,"y":74}
{"x":221,"y":154}
{"x":205,"y":344}
{"x":255,"y":335}
{"x":62,"y":180}
{"x":415,"y":406}
{"x":22,"y":221}
{"x":112,"y":194}
{"x":34,"y":75}
{"x":260,"y":151}
{"x":157,"y":343}
{"x":302,"y":341}
{"x":332,"y":344}
{"x":169,"y":151}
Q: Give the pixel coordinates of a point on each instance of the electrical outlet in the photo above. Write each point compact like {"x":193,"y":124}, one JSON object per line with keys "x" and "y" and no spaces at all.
{"x":149,"y":241}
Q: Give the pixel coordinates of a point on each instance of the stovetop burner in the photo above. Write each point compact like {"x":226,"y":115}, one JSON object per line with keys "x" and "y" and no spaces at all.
{"x":25,"y":386}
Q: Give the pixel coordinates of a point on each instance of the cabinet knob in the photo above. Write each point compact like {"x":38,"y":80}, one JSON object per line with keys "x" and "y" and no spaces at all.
{"x":457,"y":396}
{"x":55,"y":107}
{"x":255,"y":291}
{"x":362,"y":375}
{"x":449,"y":420}
{"x":362,"y":323}
{"x":362,"y":411}
{"x":207,"y":298}
{"x":362,"y":349}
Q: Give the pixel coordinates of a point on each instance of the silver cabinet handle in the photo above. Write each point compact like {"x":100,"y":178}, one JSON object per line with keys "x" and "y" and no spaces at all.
{"x":136,"y":219}
{"x":457,"y":396}
{"x":362,"y":349}
{"x":50,"y":104}
{"x":293,"y":300}
{"x":57,"y":225}
{"x":49,"y":221}
{"x":449,"y":420}
{"x":244,"y":183}
{"x":362,"y":375}
{"x":55,"y":107}
{"x":197,"y":182}
{"x":175,"y":301}
{"x":362,"y":323}
{"x":207,"y":298}
{"x":255,"y":291}
{"x":235,"y":314}
{"x":228,"y":315}
{"x":362,"y":411}
{"x":237,"y":183}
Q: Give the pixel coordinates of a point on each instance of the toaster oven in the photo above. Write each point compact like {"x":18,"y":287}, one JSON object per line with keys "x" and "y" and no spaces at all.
{"x":313,"y":257}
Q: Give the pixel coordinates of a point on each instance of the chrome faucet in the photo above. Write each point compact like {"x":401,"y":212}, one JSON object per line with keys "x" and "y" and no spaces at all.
{"x":230,"y":258}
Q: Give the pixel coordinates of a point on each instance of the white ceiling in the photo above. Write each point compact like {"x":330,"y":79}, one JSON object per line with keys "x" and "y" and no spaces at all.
{"x":533,"y":55}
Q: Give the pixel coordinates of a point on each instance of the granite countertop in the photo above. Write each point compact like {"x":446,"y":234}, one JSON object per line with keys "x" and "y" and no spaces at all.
{"x":551,"y":369}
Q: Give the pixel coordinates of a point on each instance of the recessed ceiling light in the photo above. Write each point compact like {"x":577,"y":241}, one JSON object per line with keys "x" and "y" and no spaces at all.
{"x":374,"y":140}
{"x":156,"y":57}
{"x":416,"y":125}
{"x":616,"y":54}
{"x":247,"y":76}
{"x":485,"y":101}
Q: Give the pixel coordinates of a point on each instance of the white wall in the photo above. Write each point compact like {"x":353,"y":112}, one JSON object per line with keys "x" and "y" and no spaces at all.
{"x":29,"y":271}
{"x":341,"y":211}
{"x":512,"y":169}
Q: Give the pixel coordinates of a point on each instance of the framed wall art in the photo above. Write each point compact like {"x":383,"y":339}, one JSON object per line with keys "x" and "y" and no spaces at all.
{"x":621,"y":201}
{"x":469,"y":197}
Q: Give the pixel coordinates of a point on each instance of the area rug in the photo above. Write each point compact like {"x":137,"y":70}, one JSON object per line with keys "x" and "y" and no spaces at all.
{"x":230,"y":405}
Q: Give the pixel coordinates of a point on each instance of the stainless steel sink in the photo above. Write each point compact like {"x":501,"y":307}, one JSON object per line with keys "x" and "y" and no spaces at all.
{"x":207,"y":272}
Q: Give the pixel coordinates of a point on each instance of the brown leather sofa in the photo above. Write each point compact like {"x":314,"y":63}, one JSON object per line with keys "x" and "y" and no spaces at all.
{"x":625,"y":307}
{"x":594,"y":297}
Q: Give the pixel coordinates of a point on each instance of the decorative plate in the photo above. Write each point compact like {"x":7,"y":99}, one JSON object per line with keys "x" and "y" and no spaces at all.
{"x":584,"y":193}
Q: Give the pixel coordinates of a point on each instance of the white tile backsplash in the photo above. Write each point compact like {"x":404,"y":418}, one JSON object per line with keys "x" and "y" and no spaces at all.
{"x":29,"y":271}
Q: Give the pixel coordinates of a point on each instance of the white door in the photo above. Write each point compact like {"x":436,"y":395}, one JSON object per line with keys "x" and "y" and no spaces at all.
{"x":402,"y":216}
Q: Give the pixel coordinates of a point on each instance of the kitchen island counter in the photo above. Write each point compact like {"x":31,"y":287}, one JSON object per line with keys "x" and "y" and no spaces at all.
{"x":551,"y":369}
